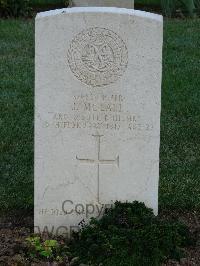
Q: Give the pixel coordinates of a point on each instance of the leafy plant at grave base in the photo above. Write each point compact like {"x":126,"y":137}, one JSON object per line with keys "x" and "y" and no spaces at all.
{"x":14,"y":8}
{"x":50,"y":250}
{"x":130,"y":234}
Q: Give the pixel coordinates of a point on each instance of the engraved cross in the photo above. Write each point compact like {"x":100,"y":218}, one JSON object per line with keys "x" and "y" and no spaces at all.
{"x":98,"y":161}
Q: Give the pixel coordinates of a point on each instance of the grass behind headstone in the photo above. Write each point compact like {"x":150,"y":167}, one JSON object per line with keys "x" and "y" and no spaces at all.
{"x":16,"y":109}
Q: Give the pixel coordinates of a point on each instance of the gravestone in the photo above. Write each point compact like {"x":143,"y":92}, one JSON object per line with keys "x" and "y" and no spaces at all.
{"x":97,"y":113}
{"x":104,"y":3}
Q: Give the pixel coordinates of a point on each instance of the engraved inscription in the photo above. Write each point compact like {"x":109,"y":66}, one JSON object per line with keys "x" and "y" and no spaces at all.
{"x":98,"y":161}
{"x":99,"y":112}
{"x":98,"y":57}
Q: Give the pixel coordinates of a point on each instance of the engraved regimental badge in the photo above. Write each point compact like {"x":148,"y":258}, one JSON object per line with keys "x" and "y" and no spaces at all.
{"x":97,"y":57}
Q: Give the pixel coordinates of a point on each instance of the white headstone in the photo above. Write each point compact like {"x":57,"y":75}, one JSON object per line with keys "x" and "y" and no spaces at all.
{"x":97,"y":113}
{"x":104,"y":3}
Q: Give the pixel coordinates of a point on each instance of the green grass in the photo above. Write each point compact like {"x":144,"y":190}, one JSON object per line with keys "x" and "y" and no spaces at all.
{"x":180,"y":122}
{"x":16,"y":109}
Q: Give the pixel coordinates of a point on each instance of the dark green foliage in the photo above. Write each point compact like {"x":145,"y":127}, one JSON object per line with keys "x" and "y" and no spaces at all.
{"x":197,"y":6}
{"x":14,"y":8}
{"x":148,"y":2}
{"x":23,"y":8}
{"x":189,"y":6}
{"x":130,"y":234}
{"x":49,"y":3}
{"x":170,"y":7}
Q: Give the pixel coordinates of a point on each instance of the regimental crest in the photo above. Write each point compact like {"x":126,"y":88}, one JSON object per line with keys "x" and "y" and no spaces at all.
{"x":98,"y":57}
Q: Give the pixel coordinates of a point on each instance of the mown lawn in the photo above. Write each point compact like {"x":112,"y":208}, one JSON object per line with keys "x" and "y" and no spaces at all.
{"x":180,"y":122}
{"x":16,"y":112}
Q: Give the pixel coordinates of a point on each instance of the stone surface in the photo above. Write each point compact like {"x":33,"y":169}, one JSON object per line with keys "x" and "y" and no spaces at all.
{"x":104,"y":3}
{"x":97,"y":113}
